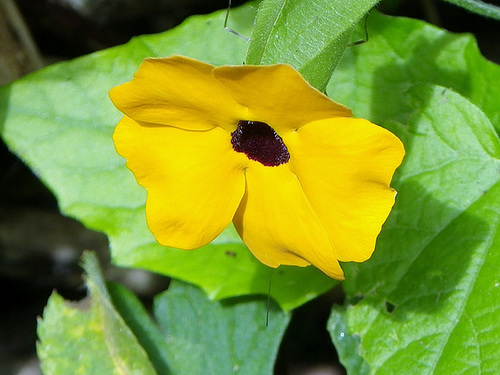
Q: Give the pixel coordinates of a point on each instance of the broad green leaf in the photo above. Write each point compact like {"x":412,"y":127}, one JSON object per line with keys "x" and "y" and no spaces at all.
{"x":218,"y":337}
{"x":60,"y":121}
{"x":432,"y":289}
{"x":142,"y":325}
{"x":199,"y":336}
{"x":88,"y":337}
{"x":309,"y":35}
{"x":429,"y":299}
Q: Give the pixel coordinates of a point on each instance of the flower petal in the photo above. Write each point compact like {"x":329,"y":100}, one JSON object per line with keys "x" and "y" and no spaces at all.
{"x":277,"y":224}
{"x":345,"y":166}
{"x":180,"y":92}
{"x":278,"y":95}
{"x":195,"y":181}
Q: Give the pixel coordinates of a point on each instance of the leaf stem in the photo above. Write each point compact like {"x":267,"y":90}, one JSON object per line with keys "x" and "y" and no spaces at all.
{"x":478,"y":7}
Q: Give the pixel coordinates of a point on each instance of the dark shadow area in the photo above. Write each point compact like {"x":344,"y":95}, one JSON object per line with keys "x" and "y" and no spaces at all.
{"x":21,"y":303}
{"x":69,"y":29}
{"x":307,"y":346}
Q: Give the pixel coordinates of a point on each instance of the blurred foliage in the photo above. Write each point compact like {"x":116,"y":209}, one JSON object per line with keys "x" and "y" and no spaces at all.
{"x":193,"y":335}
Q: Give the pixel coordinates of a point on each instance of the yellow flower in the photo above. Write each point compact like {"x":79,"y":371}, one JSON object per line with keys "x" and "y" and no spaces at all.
{"x":303,"y":182}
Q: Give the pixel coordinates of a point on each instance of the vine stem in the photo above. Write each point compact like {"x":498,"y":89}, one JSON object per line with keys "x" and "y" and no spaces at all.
{"x":478,"y":7}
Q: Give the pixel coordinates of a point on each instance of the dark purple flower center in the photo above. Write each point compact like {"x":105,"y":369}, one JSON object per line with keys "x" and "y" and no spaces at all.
{"x":259,"y":142}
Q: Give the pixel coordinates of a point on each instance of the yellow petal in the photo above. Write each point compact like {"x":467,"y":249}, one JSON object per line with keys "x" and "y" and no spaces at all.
{"x":345,"y":166}
{"x":277,"y":224}
{"x":195,"y":181}
{"x":278,"y":95}
{"x":180,"y":92}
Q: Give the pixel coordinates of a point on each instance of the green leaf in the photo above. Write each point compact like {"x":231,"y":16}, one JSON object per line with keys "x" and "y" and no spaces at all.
{"x":88,"y":337}
{"x":428,"y":301}
{"x":309,"y":35}
{"x":112,"y":333}
{"x":200,"y":336}
{"x":142,"y":325}
{"x":221,"y":337}
{"x":432,"y":291}
{"x":374,"y":77}
{"x":60,"y":120}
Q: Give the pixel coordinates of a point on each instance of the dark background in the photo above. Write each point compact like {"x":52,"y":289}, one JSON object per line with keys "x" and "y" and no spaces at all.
{"x":40,"y":248}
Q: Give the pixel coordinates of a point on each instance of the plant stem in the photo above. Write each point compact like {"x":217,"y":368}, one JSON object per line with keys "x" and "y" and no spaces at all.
{"x":478,"y":7}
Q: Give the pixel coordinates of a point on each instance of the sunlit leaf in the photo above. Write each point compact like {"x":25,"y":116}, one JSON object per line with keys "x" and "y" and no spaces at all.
{"x":428,"y":301}
{"x":309,"y":35}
